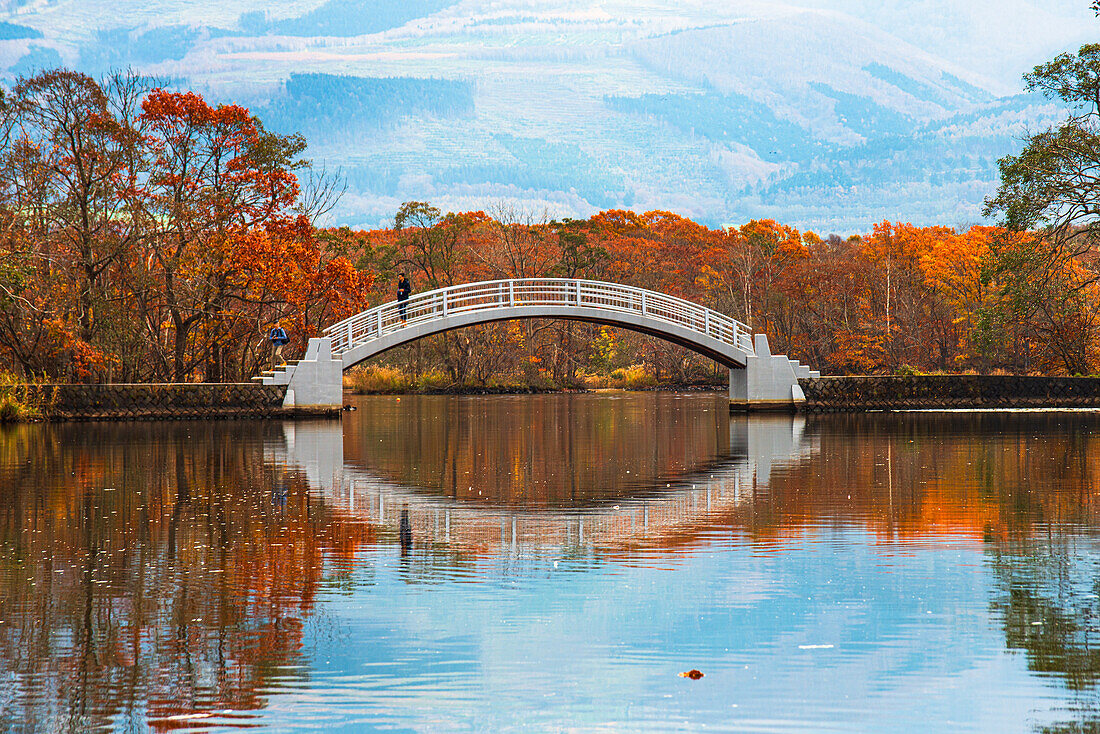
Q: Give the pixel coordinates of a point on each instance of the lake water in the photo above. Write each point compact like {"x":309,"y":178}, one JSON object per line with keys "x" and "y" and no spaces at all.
{"x":549,"y":563}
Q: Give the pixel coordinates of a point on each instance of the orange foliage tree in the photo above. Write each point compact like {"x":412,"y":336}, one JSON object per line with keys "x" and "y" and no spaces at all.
{"x":147,"y":235}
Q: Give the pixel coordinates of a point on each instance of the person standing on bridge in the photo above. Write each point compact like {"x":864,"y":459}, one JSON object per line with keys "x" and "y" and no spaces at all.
{"x":278,"y":338}
{"x":404,"y":290}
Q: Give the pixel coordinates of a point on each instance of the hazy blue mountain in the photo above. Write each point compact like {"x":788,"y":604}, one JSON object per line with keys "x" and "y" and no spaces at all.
{"x":829,"y":114}
{"x":343,"y":18}
{"x":324,"y":106}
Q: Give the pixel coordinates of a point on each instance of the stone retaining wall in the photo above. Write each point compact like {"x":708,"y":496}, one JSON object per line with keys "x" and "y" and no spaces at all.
{"x":160,"y":401}
{"x":826,"y":394}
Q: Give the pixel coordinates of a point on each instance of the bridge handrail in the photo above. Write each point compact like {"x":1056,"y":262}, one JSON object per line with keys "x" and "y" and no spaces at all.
{"x":494,"y":294}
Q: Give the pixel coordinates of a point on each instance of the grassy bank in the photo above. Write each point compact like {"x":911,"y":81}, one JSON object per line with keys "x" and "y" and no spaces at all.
{"x":19,"y":401}
{"x":381,"y":380}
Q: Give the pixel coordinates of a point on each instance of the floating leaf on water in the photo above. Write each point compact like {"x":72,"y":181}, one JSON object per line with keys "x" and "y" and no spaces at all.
{"x":693,"y":674}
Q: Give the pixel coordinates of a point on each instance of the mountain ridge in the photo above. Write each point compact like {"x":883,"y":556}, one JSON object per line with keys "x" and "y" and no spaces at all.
{"x":813,"y":112}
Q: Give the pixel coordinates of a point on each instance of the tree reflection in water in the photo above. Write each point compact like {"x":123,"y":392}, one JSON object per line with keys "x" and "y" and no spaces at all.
{"x":150,"y":577}
{"x":1022,"y":482}
{"x":167,"y":575}
{"x":1048,"y":596}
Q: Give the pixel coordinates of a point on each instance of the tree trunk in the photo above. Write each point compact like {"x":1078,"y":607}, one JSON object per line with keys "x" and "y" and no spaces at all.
{"x":179,"y":350}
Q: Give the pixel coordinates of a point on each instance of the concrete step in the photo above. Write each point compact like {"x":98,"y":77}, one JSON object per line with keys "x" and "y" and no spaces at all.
{"x":279,"y":376}
{"x":801,"y":370}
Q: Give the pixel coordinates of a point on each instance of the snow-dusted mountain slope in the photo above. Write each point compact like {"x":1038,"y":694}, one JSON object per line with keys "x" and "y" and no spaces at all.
{"x":830,"y":114}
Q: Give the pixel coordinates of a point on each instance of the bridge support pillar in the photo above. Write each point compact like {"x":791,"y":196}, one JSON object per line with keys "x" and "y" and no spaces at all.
{"x":768,"y":382}
{"x":318,"y":379}
{"x":739,"y":384}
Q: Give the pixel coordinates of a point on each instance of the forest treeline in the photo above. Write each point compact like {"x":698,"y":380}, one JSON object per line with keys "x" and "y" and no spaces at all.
{"x":900,"y":297}
{"x":146,"y":235}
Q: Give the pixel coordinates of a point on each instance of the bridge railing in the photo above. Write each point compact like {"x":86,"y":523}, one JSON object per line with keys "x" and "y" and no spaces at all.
{"x":499,"y":294}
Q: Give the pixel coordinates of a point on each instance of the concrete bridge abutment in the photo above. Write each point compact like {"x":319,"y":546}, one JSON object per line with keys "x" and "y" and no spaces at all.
{"x":768,"y":382}
{"x":315,"y":381}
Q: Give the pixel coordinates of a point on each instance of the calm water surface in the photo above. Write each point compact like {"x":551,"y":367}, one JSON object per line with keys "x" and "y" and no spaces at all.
{"x":553,"y":563}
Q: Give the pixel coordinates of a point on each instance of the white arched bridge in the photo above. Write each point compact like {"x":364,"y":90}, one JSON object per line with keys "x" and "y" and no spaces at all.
{"x":757,"y":377}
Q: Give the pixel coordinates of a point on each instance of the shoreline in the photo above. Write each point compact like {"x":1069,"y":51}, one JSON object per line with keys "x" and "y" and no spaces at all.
{"x":857,"y":394}
{"x":521,"y":390}
{"x":49,"y":403}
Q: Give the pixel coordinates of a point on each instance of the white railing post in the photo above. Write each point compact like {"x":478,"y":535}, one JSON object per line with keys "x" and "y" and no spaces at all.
{"x":511,"y":293}
{"x":378,"y":319}
{"x":578,"y":293}
{"x":644,"y":310}
{"x":706,"y":321}
{"x":349,"y":335}
{"x":444,"y":303}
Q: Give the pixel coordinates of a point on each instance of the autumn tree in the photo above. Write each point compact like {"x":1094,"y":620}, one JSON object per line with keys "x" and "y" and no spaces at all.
{"x":1052,"y":183}
{"x":69,"y":156}
{"x":1050,"y":189}
{"x":147,"y":234}
{"x":434,"y":244}
{"x":577,"y":254}
{"x":226,"y":241}
{"x":437,"y":247}
{"x":515,"y":244}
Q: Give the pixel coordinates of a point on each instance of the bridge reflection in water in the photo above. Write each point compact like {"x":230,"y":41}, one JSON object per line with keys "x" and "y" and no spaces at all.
{"x":651,"y":493}
{"x":158,"y":576}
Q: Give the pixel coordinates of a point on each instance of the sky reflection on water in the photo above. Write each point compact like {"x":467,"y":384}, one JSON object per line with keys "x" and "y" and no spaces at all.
{"x":571,"y":555}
